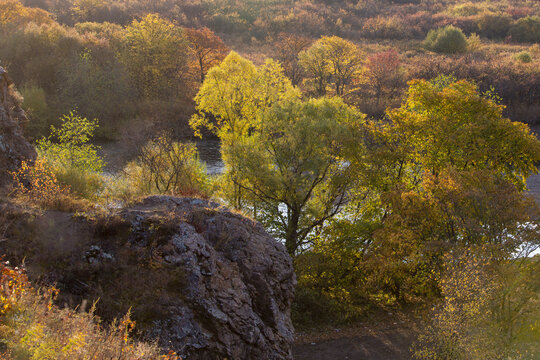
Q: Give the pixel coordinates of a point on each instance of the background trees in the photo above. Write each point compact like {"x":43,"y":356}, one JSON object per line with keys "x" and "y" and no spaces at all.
{"x":155,"y":55}
{"x":288,"y":47}
{"x":332,"y":60}
{"x":207,"y":48}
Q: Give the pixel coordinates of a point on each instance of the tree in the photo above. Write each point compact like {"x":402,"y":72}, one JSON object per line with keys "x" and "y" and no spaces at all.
{"x":288,"y":47}
{"x":74,"y":160}
{"x":155,"y":54}
{"x":345,"y":61}
{"x":454,"y":125}
{"x":443,"y":172}
{"x":293,"y":165}
{"x":235,"y":93}
{"x":317,"y":66}
{"x":332,"y":59}
{"x":458,"y":171}
{"x":384,"y":73}
{"x":13,"y":12}
{"x":68,"y":145}
{"x":207,"y":48}
{"x":231,"y":101}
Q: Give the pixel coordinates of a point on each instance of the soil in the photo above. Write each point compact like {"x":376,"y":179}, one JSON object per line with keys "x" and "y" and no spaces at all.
{"x":386,"y":337}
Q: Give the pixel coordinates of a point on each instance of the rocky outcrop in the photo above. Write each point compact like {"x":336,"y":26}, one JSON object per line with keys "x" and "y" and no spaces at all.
{"x":202,"y":280}
{"x":13,"y":146}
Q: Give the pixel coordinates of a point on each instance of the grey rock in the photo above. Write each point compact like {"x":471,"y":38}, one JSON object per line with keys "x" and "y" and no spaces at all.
{"x":238,"y":285}
{"x":14,"y":148}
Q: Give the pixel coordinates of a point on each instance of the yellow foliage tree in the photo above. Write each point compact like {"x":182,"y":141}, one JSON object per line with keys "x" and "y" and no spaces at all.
{"x":155,"y":54}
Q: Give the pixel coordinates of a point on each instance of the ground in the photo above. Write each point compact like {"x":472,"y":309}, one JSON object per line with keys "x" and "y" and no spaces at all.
{"x":386,"y":336}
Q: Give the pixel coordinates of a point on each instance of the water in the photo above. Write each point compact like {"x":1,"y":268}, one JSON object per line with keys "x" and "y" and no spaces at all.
{"x":210,"y":154}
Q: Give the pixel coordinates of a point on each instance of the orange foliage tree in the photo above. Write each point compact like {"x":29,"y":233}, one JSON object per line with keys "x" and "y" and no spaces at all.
{"x":207,"y":48}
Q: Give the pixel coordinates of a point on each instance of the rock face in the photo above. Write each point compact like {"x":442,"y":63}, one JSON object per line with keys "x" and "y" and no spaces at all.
{"x":13,"y":146}
{"x":239,"y":285}
{"x":202,"y":280}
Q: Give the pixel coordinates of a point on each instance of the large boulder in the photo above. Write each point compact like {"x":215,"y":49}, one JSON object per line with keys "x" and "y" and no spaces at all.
{"x":202,"y":280}
{"x":13,"y":146}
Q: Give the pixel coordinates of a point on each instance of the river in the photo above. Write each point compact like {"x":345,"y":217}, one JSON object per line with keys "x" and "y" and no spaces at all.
{"x":117,"y":156}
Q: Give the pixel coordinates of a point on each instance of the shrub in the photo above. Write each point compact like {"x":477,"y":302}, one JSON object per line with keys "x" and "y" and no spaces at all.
{"x":494,"y":25}
{"x":466,"y":9}
{"x":31,"y":327}
{"x":526,"y":30}
{"x":524,"y":57}
{"x":168,"y":167}
{"x":449,"y":40}
{"x":488,"y":310}
{"x":75,"y":161}
{"x":38,"y":182}
{"x":473,"y":42}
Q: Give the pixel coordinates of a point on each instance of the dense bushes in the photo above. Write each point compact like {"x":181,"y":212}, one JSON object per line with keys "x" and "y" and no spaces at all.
{"x":526,"y":29}
{"x":494,"y":25}
{"x":450,"y":40}
{"x":488,"y":310}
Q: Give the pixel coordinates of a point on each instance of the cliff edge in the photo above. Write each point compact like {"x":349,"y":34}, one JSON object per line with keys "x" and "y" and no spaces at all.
{"x":13,"y":146}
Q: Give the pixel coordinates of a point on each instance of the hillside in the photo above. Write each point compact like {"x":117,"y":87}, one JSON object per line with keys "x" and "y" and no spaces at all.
{"x":250,"y":179}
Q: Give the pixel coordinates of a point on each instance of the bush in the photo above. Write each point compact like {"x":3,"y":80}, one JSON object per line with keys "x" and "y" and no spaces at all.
{"x":168,"y":167}
{"x":524,"y":57}
{"x":488,"y":310}
{"x":494,"y":25}
{"x":38,"y":182}
{"x":474,"y":43}
{"x":449,"y":39}
{"x":526,"y":30}
{"x":466,"y":9}
{"x":386,"y":28}
{"x":74,"y":161}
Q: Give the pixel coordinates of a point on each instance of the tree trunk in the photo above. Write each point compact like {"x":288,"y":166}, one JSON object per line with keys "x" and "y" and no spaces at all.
{"x":291,"y":237}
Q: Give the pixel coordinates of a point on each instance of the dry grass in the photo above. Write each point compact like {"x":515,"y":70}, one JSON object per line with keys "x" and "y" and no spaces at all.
{"x":32,"y":327}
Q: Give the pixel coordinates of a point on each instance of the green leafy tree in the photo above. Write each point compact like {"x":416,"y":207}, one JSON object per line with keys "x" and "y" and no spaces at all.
{"x":317,"y":66}
{"x":454,"y":125}
{"x":235,"y":93}
{"x":231,"y":101}
{"x":293,"y":164}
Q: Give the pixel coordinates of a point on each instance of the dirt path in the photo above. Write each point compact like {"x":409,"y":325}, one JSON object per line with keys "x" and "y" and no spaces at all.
{"x":386,"y":337}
